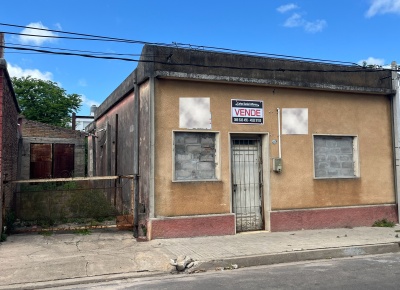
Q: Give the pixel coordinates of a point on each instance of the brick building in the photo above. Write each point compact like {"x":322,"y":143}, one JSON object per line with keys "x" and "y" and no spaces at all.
{"x":48,"y":151}
{"x":224,"y":143}
{"x":9,"y":136}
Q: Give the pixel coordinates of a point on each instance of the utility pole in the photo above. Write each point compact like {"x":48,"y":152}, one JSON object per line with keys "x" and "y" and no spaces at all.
{"x":1,"y":45}
{"x":396,"y":150}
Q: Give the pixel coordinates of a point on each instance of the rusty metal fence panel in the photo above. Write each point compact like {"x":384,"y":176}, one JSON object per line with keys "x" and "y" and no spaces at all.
{"x":72,"y":203}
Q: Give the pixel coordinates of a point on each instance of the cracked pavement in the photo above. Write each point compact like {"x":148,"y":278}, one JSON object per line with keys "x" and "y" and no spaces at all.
{"x":31,"y":261}
{"x":33,"y":257}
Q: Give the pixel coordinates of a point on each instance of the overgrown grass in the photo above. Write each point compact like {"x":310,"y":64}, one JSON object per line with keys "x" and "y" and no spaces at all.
{"x":3,"y":237}
{"x":46,"y":233}
{"x":383,"y":223}
{"x":9,"y":222}
{"x":49,"y":204}
{"x":82,"y":232}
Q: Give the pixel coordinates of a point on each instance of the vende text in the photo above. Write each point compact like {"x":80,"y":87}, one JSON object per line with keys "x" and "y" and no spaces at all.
{"x":246,"y":112}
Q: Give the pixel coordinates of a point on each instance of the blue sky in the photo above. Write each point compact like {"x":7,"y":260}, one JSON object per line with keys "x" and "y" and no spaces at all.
{"x":342,"y":30}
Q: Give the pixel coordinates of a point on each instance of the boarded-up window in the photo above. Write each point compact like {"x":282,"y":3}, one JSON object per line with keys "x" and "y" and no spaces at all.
{"x":335,"y":156}
{"x":195,"y":155}
{"x":51,"y":160}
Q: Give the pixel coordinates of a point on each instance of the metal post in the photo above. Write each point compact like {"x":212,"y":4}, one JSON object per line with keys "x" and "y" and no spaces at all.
{"x":73,"y":121}
{"x":94,"y":144}
{"x":116,"y":159}
{"x":136,"y":160}
{"x":395,"y":119}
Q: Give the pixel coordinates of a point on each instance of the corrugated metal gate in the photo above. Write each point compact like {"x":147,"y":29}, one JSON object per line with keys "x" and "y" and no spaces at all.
{"x":72,"y":203}
{"x":247,"y":183}
{"x":51,"y":160}
{"x":41,"y":161}
{"x":63,"y":160}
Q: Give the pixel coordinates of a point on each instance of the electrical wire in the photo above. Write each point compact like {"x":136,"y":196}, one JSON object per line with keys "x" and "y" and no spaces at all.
{"x":73,"y":50}
{"x":104,"y":55}
{"x":98,"y":37}
{"x":350,"y":70}
{"x":71,"y":38}
{"x":201,"y":47}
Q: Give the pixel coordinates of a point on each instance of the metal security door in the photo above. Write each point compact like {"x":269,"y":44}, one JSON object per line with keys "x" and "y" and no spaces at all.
{"x":247,"y":183}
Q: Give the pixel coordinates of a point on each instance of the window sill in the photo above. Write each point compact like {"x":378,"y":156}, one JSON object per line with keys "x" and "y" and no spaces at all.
{"x":197,"y":180}
{"x":337,"y":177}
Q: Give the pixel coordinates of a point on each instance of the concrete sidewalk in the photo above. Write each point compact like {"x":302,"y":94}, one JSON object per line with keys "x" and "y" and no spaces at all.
{"x":32,"y":261}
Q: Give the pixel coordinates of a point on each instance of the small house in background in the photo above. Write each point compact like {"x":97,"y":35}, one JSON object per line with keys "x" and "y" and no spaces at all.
{"x":81,"y":122}
{"x":48,"y":151}
{"x":222,"y":143}
{"x":9,"y":136}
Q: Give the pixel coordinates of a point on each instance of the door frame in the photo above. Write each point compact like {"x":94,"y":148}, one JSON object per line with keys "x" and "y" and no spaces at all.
{"x":266,"y":200}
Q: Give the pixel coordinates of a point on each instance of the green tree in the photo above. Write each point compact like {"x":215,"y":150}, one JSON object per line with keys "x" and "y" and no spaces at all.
{"x":45,"y":101}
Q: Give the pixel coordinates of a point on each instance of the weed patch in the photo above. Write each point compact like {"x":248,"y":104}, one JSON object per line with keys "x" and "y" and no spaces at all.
{"x":383,"y":223}
{"x":46,"y":233}
{"x":51,"y":204}
{"x":82,"y":232}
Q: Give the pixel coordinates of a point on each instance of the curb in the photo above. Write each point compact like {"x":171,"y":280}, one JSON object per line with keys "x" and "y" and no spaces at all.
{"x":80,"y":280}
{"x":241,"y":262}
{"x":301,"y":255}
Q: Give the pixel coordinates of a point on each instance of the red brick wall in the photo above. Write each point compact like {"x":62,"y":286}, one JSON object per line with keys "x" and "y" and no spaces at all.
{"x":292,"y":220}
{"x":8,"y":139}
{"x":36,"y":129}
{"x":37,"y":132}
{"x":196,"y":226}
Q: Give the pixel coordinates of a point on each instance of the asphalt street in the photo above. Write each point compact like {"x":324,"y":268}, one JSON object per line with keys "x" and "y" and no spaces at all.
{"x":366,"y":272}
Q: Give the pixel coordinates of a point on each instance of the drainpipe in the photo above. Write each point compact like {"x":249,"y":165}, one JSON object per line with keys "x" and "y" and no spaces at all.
{"x":136,"y":159}
{"x":395,"y":134}
{"x":279,"y":133}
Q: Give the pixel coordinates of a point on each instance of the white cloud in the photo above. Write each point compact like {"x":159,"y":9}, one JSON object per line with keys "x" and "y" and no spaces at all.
{"x":296,"y":20}
{"x":24,"y":39}
{"x":89,"y":102}
{"x":372,"y":61}
{"x":286,"y":8}
{"x":16,"y":71}
{"x":315,"y":26}
{"x":383,"y":7}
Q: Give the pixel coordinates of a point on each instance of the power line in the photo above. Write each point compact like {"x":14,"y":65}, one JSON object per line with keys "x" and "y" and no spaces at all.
{"x":357,"y":69}
{"x":73,"y":50}
{"x":72,"y":38}
{"x":200,"y":47}
{"x":67,"y":53}
{"x":265,"y":54}
{"x":98,"y":37}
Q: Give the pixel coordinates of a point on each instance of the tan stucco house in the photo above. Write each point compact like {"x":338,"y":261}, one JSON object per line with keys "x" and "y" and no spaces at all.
{"x":222,"y":143}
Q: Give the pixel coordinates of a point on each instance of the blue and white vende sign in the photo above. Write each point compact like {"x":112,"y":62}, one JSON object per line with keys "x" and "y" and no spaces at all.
{"x":247,"y":112}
